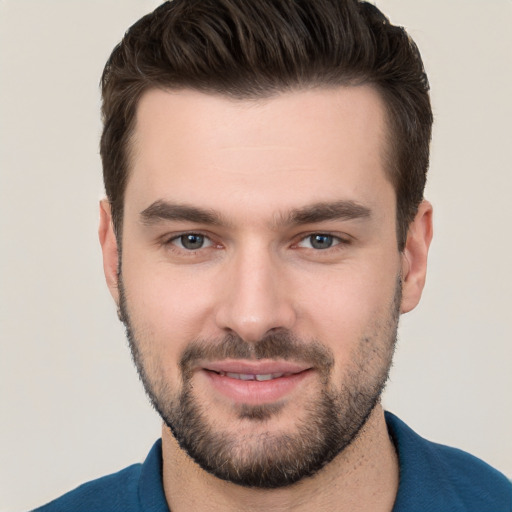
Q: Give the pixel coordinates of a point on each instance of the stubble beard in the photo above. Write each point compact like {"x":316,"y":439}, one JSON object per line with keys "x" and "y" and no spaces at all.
{"x":330,"y":421}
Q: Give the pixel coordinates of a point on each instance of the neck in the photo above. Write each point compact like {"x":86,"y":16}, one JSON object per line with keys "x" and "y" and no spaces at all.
{"x":363,"y":477}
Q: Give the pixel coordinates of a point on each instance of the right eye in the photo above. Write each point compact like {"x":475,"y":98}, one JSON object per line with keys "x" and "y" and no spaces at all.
{"x":191,"y":241}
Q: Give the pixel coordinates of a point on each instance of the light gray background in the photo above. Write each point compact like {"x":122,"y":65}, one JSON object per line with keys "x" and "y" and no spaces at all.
{"x":72,"y":407}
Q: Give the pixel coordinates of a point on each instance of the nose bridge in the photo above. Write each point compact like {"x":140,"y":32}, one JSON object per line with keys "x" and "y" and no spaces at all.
{"x":254,"y":299}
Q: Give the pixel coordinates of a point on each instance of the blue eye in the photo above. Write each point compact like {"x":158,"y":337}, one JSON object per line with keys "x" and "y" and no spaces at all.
{"x":192,"y":241}
{"x":319,"y":241}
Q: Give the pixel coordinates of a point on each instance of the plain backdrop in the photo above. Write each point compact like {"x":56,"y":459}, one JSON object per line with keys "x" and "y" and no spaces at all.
{"x":72,"y":408}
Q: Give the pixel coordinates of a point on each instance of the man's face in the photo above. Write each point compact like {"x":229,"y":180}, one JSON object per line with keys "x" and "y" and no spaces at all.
{"x":260,"y":279}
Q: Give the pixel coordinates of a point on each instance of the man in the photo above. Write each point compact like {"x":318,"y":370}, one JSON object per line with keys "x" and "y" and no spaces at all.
{"x":265,"y":227}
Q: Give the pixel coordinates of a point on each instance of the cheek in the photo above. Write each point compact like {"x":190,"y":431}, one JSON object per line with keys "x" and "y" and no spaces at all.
{"x":168,"y":307}
{"x":348,"y":299}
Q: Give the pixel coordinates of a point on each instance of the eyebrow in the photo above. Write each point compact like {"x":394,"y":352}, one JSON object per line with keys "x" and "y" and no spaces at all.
{"x":163,"y":210}
{"x":324,"y":211}
{"x":317,"y":212}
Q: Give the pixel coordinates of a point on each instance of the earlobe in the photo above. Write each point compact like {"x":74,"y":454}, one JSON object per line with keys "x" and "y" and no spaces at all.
{"x":109,"y":249}
{"x":414,"y":257}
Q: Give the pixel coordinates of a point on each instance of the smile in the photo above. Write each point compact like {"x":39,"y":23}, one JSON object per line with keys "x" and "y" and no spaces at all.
{"x":252,"y":376}
{"x":254,"y":382}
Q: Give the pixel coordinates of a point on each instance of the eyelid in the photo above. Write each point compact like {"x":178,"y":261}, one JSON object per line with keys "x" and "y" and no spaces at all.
{"x":172,"y":241}
{"x":174,"y":238}
{"x":337,"y":238}
{"x":207,"y":240}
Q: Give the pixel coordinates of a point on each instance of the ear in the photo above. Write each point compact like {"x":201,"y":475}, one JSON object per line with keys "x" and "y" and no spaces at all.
{"x":414,"y":257}
{"x":109,"y":249}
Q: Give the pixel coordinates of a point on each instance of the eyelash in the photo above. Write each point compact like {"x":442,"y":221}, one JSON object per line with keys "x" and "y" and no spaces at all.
{"x":170,"y":242}
{"x":338,"y":242}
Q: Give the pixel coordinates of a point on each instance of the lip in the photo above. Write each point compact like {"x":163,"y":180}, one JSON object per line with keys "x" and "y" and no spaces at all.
{"x":253,"y":392}
{"x":255,"y":367}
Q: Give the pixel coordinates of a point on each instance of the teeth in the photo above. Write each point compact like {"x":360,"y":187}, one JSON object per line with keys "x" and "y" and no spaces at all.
{"x":251,"y":376}
{"x":265,"y":377}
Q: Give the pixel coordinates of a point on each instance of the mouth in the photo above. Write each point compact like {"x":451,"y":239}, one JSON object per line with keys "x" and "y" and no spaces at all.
{"x":253,"y":376}
{"x":254,"y":382}
{"x":263,"y":367}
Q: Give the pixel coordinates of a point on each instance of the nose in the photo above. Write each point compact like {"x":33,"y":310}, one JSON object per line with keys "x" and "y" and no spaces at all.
{"x":255,"y":298}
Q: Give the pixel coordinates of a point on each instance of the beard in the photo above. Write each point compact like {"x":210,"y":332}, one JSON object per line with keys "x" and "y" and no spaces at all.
{"x":327,"y":424}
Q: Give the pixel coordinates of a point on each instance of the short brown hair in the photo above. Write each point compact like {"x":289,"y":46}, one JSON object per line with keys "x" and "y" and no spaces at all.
{"x":249,"y":49}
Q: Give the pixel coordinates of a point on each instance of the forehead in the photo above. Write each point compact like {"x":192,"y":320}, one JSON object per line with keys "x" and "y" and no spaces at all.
{"x":289,"y":149}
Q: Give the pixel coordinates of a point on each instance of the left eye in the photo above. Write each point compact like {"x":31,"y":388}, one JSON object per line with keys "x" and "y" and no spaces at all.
{"x":319,"y":241}
{"x":192,"y":241}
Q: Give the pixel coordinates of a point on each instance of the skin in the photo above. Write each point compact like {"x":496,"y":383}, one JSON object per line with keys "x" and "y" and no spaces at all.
{"x":252,"y":163}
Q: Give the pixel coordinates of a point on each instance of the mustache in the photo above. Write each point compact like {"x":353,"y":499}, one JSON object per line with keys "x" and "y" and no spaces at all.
{"x":281,"y":345}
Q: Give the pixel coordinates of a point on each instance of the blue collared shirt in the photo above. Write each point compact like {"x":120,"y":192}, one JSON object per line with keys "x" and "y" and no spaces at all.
{"x":433,"y":478}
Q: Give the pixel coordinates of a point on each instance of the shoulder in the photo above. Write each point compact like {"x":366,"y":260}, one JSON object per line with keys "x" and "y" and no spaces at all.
{"x":115,"y":492}
{"x":433,"y":475}
{"x":133,"y":489}
{"x":472,"y":479}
